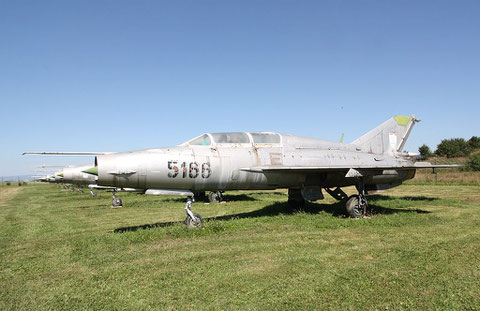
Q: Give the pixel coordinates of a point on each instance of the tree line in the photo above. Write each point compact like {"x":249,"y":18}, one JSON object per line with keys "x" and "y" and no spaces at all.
{"x":454,"y":148}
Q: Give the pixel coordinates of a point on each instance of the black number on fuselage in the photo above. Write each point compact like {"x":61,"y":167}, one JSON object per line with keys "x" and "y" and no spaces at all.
{"x":193,"y":169}
{"x":184,"y":169}
{"x":206,"y":170}
{"x":173,"y":169}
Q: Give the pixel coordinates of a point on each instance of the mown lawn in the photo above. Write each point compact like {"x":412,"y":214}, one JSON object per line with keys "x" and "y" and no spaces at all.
{"x":63,"y":250}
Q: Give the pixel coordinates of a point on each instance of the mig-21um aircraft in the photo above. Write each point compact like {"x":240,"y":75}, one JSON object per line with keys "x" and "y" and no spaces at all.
{"x":264,"y":161}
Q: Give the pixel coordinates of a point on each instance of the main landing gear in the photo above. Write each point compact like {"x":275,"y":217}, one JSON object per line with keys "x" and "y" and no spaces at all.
{"x":295,"y":199}
{"x":193,"y":220}
{"x":357,"y":204}
{"x":116,"y":202}
{"x":215,"y":197}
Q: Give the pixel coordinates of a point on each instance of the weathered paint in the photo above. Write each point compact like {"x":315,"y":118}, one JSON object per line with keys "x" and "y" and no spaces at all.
{"x":290,"y":162}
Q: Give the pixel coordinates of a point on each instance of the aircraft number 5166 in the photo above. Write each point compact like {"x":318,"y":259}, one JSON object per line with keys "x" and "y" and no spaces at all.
{"x":193,"y":169}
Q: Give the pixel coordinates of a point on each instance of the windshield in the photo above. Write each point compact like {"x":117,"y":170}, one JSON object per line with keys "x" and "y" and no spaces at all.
{"x":231,"y":138}
{"x":203,"y":140}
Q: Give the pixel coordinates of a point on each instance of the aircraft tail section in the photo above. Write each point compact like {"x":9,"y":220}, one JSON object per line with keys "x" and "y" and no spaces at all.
{"x":389,"y":137}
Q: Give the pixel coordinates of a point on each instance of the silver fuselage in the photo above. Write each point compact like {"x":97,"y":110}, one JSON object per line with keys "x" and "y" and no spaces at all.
{"x":225,"y":166}
{"x":73,"y":175}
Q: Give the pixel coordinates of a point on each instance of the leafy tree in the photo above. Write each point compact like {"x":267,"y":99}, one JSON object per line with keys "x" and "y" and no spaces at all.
{"x":474,"y":142}
{"x":455,"y":147}
{"x":473,"y":164}
{"x":425,"y":151}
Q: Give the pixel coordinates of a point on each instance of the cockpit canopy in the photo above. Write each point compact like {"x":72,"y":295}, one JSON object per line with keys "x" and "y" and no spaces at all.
{"x":235,"y":138}
{"x":203,"y":140}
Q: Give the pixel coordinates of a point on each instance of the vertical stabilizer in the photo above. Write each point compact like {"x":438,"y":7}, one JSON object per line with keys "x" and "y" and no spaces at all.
{"x":389,"y":137}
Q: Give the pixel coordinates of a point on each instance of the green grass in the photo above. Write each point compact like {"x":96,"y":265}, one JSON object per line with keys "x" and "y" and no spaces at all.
{"x":64,"y":250}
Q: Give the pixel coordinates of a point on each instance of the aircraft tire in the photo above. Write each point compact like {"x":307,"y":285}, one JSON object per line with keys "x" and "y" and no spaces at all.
{"x":353,"y":207}
{"x":197,"y":223}
{"x":117,"y":202}
{"x":215,"y":197}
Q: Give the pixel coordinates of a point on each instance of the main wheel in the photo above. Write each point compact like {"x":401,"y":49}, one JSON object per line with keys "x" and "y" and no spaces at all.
{"x":194,"y":223}
{"x":215,"y":196}
{"x":354,"y":208}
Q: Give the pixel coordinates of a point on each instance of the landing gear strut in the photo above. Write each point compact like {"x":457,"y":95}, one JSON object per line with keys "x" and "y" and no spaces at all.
{"x":193,"y":220}
{"x":357,"y":204}
{"x":116,"y":202}
{"x":295,"y":199}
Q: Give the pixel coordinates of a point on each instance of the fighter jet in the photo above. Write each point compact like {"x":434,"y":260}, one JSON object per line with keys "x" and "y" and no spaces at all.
{"x":264,"y":161}
{"x":74,"y":176}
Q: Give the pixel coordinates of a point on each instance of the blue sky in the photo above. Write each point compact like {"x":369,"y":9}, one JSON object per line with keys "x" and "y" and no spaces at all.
{"x":126,"y":75}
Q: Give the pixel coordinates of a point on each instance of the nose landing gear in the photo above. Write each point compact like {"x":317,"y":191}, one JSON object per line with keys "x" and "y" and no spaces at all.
{"x":116,"y":202}
{"x":193,"y":220}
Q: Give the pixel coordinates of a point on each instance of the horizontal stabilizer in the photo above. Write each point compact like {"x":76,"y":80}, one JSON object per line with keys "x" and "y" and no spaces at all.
{"x":430,"y":165}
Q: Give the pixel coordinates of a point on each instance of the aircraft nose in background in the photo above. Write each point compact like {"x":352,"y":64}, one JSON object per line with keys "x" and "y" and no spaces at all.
{"x":92,"y":171}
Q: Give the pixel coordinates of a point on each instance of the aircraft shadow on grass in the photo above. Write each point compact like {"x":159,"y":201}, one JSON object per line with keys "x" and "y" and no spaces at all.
{"x":281,"y":208}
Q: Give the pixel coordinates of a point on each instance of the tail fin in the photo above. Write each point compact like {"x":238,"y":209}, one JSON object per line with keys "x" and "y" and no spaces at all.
{"x":389,"y":137}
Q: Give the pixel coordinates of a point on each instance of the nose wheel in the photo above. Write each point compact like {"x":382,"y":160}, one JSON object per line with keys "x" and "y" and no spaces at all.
{"x":116,"y":202}
{"x":193,"y":220}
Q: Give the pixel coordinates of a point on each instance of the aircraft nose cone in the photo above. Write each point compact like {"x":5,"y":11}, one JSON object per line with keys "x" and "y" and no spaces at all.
{"x":92,"y":171}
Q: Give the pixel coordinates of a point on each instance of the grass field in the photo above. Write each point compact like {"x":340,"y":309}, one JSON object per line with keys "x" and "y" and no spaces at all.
{"x":65,"y":250}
